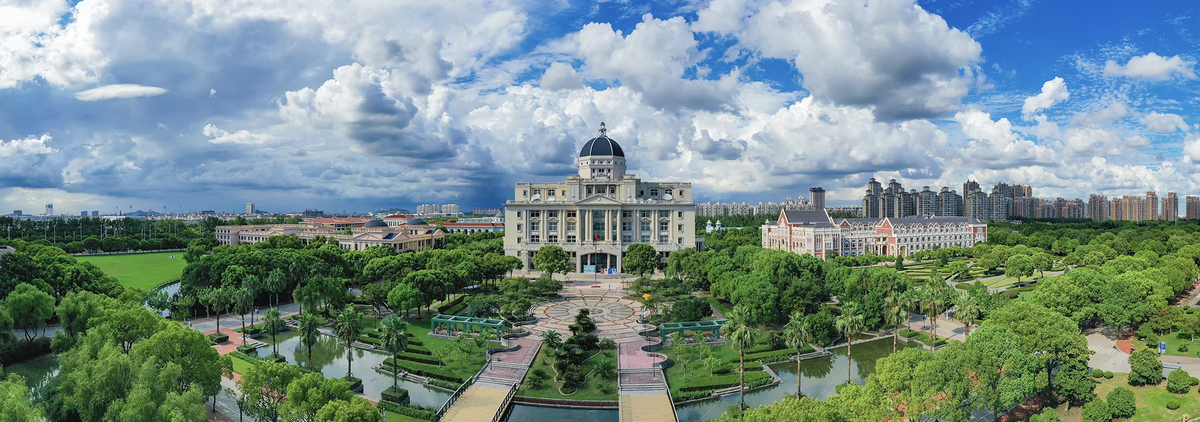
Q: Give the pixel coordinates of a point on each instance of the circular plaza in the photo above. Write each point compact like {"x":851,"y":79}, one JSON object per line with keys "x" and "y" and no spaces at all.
{"x":615,"y":317}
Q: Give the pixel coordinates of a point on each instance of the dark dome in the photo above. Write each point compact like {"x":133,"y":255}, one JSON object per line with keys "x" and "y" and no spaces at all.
{"x":601,"y":145}
{"x":416,"y":222}
{"x":375,"y":223}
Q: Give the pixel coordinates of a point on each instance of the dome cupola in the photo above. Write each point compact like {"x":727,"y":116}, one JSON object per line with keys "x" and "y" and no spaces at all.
{"x":601,"y":157}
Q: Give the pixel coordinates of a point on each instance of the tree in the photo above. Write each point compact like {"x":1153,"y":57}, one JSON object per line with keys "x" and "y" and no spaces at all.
{"x":405,"y":297}
{"x":309,"y":326}
{"x":1052,"y":337}
{"x":1179,"y":382}
{"x":199,"y":362}
{"x":640,"y":259}
{"x":1144,"y":367}
{"x":220,"y":299}
{"x":349,"y":326}
{"x":1043,"y":262}
{"x":968,"y":311}
{"x":741,"y":333}
{"x":244,"y":305}
{"x":1018,"y":266}
{"x":1096,"y":411}
{"x":849,"y":323}
{"x":899,"y":263}
{"x":77,"y":308}
{"x":606,"y":369}
{"x":15,"y":403}
{"x":126,"y":324}
{"x":395,"y":341}
{"x":272,"y":321}
{"x":1004,"y":375}
{"x":897,"y":315}
{"x":264,"y":389}
{"x":29,"y":308}
{"x":276,"y":282}
{"x":309,"y":393}
{"x":796,"y":336}
{"x":158,"y":300}
{"x":357,"y":409}
{"x":552,"y":259}
{"x":1121,"y":402}
{"x":552,"y":339}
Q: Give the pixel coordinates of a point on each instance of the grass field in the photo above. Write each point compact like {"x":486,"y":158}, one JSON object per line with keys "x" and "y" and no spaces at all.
{"x":1151,"y":401}
{"x":141,"y":270}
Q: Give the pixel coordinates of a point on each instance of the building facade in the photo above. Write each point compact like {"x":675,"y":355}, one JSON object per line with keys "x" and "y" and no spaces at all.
{"x":250,"y":209}
{"x":1192,"y":204}
{"x":816,"y":197}
{"x":361,"y":236}
{"x":1170,"y":207}
{"x":814,"y":232}
{"x":596,"y":214}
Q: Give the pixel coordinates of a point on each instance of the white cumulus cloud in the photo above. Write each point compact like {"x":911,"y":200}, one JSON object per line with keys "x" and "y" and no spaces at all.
{"x":1164,"y":122}
{"x":1151,"y":66}
{"x":109,"y":92}
{"x":217,"y":135}
{"x":1054,"y":91}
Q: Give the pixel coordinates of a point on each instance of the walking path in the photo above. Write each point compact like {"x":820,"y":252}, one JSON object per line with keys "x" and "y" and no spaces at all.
{"x":489,"y":394}
{"x":615,"y":317}
{"x":643,"y":395}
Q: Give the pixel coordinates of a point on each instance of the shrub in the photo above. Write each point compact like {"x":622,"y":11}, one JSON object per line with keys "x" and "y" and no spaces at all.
{"x":1096,"y":411}
{"x":608,"y":344}
{"x":20,"y":351}
{"x":444,"y":384}
{"x":606,"y":388}
{"x":694,"y":395}
{"x":535,"y":383}
{"x":1172,"y":403}
{"x":1183,"y":347}
{"x":1185,"y":336}
{"x":411,"y":411}
{"x":908,"y":333}
{"x":1145,"y":368}
{"x":1047,"y":415}
{"x":356,"y":384}
{"x":218,"y":338}
{"x":247,"y":348}
{"x":428,"y":371}
{"x":1097,"y":373}
{"x":1108,"y":375}
{"x":275,"y":358}
{"x":395,"y":395}
{"x":1195,"y":381}
{"x":1121,"y":402}
{"x":540,"y":373}
{"x":1179,"y":382}
{"x":723,"y":381}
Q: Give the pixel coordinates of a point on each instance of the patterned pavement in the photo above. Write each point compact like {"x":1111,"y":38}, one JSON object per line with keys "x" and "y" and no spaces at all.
{"x":615,"y":317}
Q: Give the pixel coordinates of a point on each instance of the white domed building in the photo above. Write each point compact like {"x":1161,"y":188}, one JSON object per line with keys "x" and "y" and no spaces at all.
{"x":596,"y":214}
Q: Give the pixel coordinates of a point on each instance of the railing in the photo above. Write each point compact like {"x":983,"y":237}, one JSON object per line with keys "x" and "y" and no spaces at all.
{"x":512,"y":390}
{"x":454,"y":397}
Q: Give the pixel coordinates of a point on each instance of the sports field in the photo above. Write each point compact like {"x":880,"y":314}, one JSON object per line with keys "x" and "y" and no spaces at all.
{"x":141,"y":270}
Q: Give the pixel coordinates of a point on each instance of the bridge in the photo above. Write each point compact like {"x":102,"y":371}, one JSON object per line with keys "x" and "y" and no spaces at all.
{"x":486,"y":397}
{"x":643,"y":392}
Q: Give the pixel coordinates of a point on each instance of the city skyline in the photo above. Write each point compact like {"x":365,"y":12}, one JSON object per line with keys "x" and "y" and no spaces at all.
{"x":376,"y":105}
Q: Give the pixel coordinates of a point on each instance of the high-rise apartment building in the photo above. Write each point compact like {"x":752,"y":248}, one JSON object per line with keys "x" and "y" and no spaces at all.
{"x":816,"y":197}
{"x":970,"y":186}
{"x":49,"y":209}
{"x":1192,"y":207}
{"x":1150,"y":209}
{"x":1098,"y":207}
{"x":1170,"y":207}
{"x":250,"y":209}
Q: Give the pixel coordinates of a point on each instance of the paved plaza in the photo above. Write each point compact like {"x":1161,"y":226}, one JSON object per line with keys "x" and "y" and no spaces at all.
{"x":615,"y":317}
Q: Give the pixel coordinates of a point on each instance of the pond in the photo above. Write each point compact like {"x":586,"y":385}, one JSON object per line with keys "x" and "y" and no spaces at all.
{"x":329,"y":357}
{"x":820,"y":377}
{"x":38,"y":373}
{"x":536,"y":413}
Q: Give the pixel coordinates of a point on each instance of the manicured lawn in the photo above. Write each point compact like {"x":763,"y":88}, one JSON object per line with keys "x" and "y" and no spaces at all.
{"x":590,"y":390}
{"x":141,"y":270}
{"x":1173,"y":345}
{"x":420,"y":328}
{"x":1151,"y":400}
{"x":240,"y":366}
{"x":716,"y":304}
{"x":679,"y":376}
{"x":396,"y":417}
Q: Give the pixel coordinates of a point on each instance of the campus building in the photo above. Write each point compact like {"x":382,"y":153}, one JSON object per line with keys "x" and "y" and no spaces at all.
{"x":596,"y":214}
{"x":401,"y":238}
{"x":814,"y":232}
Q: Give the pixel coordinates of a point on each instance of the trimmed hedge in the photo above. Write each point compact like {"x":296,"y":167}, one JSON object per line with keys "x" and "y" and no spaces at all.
{"x":218,"y":338}
{"x":247,"y":348}
{"x":692,"y":395}
{"x":395,"y":395}
{"x":428,"y":360}
{"x":424,"y":370}
{"x":780,"y":352}
{"x":908,"y":333}
{"x":723,"y":381}
{"x":445,"y":384}
{"x":442,"y":309}
{"x":356,"y":384}
{"x":409,"y":410}
{"x":21,"y":350}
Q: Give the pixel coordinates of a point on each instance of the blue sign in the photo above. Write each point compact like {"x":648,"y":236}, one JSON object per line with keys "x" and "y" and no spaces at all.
{"x":611,"y":271}
{"x":589,"y":269}
{"x":1162,"y":347}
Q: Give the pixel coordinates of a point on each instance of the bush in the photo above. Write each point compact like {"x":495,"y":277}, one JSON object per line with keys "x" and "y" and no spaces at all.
{"x":540,"y":373}
{"x":1121,"y":402}
{"x":1179,"y":382}
{"x":1097,"y":373}
{"x":444,"y":384}
{"x":218,"y":338}
{"x":411,"y":411}
{"x":424,"y":370}
{"x":723,"y":381}
{"x":1173,"y":403}
{"x":20,"y":351}
{"x":247,"y":349}
{"x":428,"y":360}
{"x":395,"y":395}
{"x":1183,"y":347}
{"x":1096,"y":411}
{"x":608,"y":344}
{"x":694,"y":395}
{"x":1047,"y":415}
{"x":1184,"y":336}
{"x":1108,"y":375}
{"x":275,"y":358}
{"x":535,"y":383}
{"x":606,"y":388}
{"x":1145,"y":368}
{"x":356,"y":384}
{"x":1195,"y":381}
{"x":908,"y":333}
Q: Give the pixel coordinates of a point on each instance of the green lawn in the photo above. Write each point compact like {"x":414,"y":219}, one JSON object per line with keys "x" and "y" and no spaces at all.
{"x":1173,"y":345}
{"x":241,"y":366}
{"x":141,"y":270}
{"x":590,"y":390}
{"x":1151,"y":400}
{"x":396,"y":417}
{"x":679,"y":376}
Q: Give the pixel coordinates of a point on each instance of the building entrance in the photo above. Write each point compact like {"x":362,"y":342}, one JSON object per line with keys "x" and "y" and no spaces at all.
{"x":602,"y":261}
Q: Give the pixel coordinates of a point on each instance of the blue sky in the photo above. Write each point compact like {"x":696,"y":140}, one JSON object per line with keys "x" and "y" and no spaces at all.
{"x":208,"y":104}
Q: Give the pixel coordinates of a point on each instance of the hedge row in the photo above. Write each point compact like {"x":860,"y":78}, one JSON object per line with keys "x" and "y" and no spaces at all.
{"x":692,"y":395}
{"x":457,"y":301}
{"x":445,"y":384}
{"x":780,"y":352}
{"x":255,"y":359}
{"x":724,"y":381}
{"x":424,"y":370}
{"x":414,"y":357}
{"x":395,"y":395}
{"x":21,"y":350}
{"x":408,"y":410}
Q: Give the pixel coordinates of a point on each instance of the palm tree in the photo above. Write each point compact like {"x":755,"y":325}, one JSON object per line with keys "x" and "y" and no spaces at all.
{"x":935,"y":298}
{"x":606,"y":368}
{"x":741,"y":334}
{"x":796,"y":336}
{"x":849,"y":323}
{"x":309,"y":331}
{"x":968,"y":310}
{"x":272,"y":321}
{"x":897,"y":314}
{"x":349,"y":327}
{"x":552,"y":339}
{"x":395,"y":340}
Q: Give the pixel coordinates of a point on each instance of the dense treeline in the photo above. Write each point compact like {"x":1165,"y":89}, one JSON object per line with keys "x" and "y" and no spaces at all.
{"x":51,"y":270}
{"x":91,"y":234}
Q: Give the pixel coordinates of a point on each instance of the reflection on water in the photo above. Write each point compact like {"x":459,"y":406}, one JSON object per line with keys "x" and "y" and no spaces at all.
{"x":820,"y":377}
{"x":38,"y":373}
{"x":329,"y":357}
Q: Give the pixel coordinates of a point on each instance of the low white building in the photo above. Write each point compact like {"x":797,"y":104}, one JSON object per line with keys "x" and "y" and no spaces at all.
{"x":814,"y":232}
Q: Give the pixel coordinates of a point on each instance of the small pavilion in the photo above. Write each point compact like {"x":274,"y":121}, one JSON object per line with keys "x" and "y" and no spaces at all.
{"x":452,"y":326}
{"x":710,"y":328}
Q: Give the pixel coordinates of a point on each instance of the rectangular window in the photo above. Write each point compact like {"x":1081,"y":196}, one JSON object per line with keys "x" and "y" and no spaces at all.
{"x":645,"y":238}
{"x":534,"y":238}
{"x":552,"y":238}
{"x":524,"y":193}
{"x":662,"y":226}
{"x":535,"y":214}
{"x":626,"y":214}
{"x":552,"y":226}
{"x":681,"y":228}
{"x":645,"y":226}
{"x":589,"y":191}
{"x":626,"y":226}
{"x":664,"y":214}
{"x":662,"y":238}
{"x":598,"y":225}
{"x":653,"y":191}
{"x":552,"y":214}
{"x":518,"y":214}
{"x":681,"y":241}
{"x":550,"y":192}
{"x":627,"y":238}
{"x":534,"y":225}
{"x":681,"y":214}
{"x":571,"y":226}
{"x":518,"y":226}
{"x":641,"y":193}
{"x":645,"y":214}
{"x":669,"y":191}
{"x":537,"y":191}
{"x":571,"y":238}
